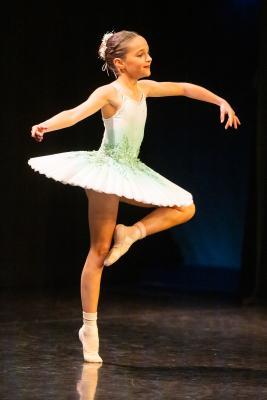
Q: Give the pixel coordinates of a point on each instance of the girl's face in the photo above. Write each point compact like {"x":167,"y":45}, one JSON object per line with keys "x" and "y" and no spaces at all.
{"x":137,"y":60}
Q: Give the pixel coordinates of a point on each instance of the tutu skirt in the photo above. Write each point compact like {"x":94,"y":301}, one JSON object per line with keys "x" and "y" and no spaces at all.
{"x":105,"y":173}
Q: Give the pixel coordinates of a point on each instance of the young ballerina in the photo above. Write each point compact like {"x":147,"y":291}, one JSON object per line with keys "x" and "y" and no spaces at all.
{"x":114,"y":173}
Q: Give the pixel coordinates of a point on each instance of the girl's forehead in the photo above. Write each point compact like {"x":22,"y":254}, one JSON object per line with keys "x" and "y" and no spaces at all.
{"x":137,"y":43}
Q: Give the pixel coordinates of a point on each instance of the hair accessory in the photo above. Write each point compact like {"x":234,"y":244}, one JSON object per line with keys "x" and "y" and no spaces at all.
{"x":105,"y":68}
{"x":103,"y":46}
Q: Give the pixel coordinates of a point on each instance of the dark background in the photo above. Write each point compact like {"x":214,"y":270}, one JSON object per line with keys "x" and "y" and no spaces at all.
{"x":51,"y":64}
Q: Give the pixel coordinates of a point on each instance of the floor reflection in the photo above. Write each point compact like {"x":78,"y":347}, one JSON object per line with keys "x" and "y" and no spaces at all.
{"x":86,"y":386}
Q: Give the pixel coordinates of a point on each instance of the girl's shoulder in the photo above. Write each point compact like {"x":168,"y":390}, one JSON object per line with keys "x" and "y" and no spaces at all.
{"x":146,"y":85}
{"x":111,"y":93}
{"x":107,"y":91}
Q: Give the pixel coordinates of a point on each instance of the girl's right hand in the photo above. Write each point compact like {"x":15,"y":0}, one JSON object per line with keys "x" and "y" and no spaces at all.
{"x":38,"y":132}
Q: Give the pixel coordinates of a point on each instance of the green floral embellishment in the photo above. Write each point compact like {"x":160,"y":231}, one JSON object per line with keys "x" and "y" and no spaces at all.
{"x":124,"y":157}
{"x":123,"y":152}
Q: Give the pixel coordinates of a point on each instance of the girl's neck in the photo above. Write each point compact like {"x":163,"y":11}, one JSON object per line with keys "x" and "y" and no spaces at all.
{"x":130,"y":84}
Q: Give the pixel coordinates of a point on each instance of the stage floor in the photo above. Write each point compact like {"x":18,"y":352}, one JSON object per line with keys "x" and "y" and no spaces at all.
{"x":154,"y":344}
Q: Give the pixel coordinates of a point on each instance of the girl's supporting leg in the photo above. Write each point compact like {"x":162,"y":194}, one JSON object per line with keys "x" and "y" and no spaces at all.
{"x":102,"y":212}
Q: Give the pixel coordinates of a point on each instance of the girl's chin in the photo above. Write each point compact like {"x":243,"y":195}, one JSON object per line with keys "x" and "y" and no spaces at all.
{"x":147,"y":72}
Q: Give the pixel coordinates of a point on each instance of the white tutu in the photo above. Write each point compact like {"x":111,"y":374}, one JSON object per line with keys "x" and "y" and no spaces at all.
{"x":101,"y":172}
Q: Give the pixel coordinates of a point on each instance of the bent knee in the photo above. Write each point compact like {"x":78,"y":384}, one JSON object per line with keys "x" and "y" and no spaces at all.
{"x":192,"y":209}
{"x":189,"y":210}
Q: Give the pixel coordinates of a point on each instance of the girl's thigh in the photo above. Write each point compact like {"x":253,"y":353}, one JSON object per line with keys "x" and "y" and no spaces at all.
{"x":102,"y":216}
{"x":136,"y":203}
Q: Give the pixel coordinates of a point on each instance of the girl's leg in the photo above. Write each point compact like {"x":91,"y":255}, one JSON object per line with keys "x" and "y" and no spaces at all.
{"x":102,"y":212}
{"x":162,"y":218}
{"x":157,"y":220}
{"x":166,"y":217}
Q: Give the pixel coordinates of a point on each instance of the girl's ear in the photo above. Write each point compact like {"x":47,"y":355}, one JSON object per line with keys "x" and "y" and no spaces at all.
{"x":118,"y":63}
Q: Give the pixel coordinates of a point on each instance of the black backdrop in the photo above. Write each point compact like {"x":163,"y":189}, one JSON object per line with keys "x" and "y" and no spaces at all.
{"x":253,"y":269}
{"x":51,"y":64}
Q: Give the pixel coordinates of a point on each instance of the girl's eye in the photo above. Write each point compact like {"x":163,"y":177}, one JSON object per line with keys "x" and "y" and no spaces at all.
{"x":140,"y":55}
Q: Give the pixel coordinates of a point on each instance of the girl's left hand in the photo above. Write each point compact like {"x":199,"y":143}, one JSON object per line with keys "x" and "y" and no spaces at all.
{"x":225,"y":108}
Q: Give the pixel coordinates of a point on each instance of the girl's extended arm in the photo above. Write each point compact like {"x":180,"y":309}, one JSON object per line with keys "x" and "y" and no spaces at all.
{"x":159,"y":89}
{"x":64,"y":119}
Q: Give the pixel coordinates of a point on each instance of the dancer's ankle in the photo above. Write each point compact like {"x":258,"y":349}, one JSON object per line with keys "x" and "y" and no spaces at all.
{"x":141,"y":228}
{"x":90,"y":319}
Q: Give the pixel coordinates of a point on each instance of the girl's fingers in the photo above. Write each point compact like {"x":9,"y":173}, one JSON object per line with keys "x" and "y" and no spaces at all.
{"x":229,"y":123}
{"x":37,"y":129}
{"x":37,"y":135}
{"x":232,"y":120}
{"x":235,"y":123}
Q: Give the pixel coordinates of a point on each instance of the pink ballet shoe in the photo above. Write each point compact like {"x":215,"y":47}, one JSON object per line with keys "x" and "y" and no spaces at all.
{"x":122,"y":242}
{"x":89,"y":356}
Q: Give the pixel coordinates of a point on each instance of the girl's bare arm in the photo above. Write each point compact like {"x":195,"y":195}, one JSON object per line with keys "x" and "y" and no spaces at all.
{"x":64,"y":119}
{"x":160,"y":89}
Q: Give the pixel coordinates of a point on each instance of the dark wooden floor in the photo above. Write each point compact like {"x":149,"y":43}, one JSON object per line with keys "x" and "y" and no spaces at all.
{"x":155,"y":345}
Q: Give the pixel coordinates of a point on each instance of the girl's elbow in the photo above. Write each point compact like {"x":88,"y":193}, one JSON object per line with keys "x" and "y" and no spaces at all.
{"x":184,"y":89}
{"x":73,"y":117}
